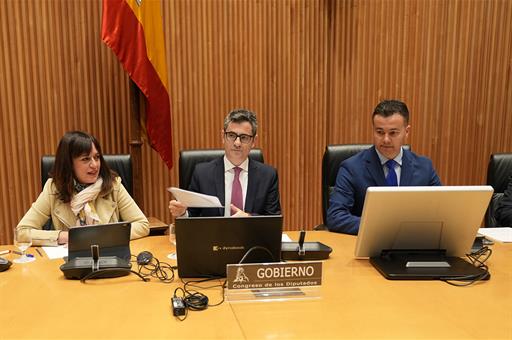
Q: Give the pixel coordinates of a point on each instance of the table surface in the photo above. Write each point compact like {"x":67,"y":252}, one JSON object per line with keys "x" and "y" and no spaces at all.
{"x":36,"y":301}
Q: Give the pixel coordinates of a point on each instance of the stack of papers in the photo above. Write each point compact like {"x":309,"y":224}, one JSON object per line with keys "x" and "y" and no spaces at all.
{"x":497,"y":234}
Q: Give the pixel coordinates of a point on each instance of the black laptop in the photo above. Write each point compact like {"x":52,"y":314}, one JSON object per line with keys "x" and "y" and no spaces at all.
{"x":113,"y":239}
{"x":205,"y":245}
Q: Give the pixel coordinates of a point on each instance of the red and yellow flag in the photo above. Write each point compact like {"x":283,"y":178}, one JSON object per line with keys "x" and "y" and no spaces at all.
{"x":133,"y":30}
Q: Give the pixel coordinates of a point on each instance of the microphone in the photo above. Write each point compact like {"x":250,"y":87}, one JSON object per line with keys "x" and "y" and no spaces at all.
{"x":302,"y":236}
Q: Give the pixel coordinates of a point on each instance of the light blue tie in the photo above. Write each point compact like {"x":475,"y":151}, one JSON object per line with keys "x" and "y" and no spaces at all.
{"x":391,"y":179}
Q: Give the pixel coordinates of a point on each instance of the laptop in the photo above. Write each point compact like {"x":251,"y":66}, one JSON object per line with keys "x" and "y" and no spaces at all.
{"x":205,"y":245}
{"x":113,"y":239}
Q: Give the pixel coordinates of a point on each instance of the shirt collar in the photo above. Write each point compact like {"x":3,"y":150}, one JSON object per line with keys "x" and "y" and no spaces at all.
{"x":229,"y":166}
{"x":397,"y":159}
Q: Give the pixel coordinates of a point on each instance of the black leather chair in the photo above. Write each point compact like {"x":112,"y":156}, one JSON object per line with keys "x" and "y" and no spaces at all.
{"x":498,"y":175}
{"x":333,"y":156}
{"x":189,"y":158}
{"x":122,"y":164}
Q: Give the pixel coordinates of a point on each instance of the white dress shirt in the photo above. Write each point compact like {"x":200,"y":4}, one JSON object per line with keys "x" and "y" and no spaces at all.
{"x":229,"y":175}
{"x":398,"y":164}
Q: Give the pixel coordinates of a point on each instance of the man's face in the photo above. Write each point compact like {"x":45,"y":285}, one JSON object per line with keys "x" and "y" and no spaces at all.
{"x":236,"y":150}
{"x":389,"y":134}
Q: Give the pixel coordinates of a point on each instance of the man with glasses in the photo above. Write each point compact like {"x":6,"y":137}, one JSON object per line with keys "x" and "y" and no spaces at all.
{"x":246,"y":187}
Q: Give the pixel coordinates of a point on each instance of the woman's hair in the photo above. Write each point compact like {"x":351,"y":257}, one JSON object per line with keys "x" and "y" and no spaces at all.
{"x":72,"y":145}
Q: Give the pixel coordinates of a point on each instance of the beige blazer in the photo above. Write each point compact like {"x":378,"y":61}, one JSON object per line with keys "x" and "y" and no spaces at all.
{"x":116,"y":206}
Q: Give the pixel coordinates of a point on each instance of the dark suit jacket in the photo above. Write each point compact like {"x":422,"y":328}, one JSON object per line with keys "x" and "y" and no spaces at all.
{"x":262,"y":196}
{"x":364,"y":170}
{"x":504,"y":211}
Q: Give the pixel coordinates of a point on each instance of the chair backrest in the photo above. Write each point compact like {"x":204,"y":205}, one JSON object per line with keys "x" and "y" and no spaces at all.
{"x":189,"y":158}
{"x":333,"y":156}
{"x":498,"y":175}
{"x":122,"y":164}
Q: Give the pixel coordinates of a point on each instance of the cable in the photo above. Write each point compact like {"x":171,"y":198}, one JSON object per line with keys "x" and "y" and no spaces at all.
{"x":194,"y":300}
{"x":152,"y":267}
{"x":256,"y":248}
{"x":478,"y":259}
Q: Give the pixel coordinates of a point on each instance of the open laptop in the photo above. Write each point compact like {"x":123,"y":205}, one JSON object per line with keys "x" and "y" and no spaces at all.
{"x":205,"y":245}
{"x":113,"y":239}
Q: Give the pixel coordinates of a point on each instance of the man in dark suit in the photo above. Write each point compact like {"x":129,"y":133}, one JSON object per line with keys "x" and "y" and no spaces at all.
{"x":386,"y":163}
{"x":246,"y":187}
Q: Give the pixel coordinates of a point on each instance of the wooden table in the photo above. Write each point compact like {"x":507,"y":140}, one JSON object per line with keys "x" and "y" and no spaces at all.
{"x":357,"y":302}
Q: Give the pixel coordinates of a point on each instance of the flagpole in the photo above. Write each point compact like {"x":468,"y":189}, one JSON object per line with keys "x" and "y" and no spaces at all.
{"x":136,"y":144}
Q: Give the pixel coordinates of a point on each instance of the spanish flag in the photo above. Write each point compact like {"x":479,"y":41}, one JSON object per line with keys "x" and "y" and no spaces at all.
{"x":133,"y":30}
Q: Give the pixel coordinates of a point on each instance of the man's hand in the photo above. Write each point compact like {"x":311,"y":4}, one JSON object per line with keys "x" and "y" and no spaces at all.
{"x":238,"y":212}
{"x":177,"y":208}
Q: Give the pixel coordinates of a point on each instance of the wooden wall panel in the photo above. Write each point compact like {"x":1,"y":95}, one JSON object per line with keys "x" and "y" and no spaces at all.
{"x":312,"y":70}
{"x":448,"y":60}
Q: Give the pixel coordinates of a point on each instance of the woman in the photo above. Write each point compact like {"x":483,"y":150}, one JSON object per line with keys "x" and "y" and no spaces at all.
{"x":82,"y":191}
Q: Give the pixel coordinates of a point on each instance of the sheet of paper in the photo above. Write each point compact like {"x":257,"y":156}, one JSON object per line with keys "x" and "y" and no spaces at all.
{"x":195,"y":200}
{"x":285,"y":238}
{"x":56,"y":252}
{"x":497,"y":234}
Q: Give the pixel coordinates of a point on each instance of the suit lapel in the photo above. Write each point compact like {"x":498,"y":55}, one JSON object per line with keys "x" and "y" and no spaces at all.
{"x":407,"y":169}
{"x":65,"y":214}
{"x":105,"y":207}
{"x":374,"y":167}
{"x":219,"y":178}
{"x":252,"y":185}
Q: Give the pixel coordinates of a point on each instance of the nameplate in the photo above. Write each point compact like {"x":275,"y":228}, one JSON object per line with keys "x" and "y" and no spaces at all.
{"x":274,"y":275}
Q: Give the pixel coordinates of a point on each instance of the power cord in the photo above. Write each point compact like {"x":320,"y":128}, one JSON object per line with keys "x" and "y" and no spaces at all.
{"x":193,"y":299}
{"x":150,"y":266}
{"x":252,"y":249}
{"x":478,"y":259}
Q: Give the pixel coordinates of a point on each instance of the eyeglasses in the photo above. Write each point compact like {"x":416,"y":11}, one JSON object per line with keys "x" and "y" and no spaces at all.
{"x":232,"y":136}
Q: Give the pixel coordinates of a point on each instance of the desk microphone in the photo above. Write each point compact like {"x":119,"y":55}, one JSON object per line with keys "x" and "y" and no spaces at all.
{"x":302,"y":237}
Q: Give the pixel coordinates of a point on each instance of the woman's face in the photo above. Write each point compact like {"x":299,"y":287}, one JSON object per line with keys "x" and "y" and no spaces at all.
{"x":87,"y":167}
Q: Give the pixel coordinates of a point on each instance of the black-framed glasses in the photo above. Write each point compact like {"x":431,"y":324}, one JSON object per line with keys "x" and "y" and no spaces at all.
{"x":232,"y":136}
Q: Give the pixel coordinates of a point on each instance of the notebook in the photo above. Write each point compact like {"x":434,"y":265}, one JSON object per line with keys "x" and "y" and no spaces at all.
{"x":205,"y":245}
{"x":113,"y":239}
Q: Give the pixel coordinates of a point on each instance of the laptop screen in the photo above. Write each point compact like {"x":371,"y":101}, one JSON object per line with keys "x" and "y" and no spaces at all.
{"x":113,"y":239}
{"x":205,"y":245}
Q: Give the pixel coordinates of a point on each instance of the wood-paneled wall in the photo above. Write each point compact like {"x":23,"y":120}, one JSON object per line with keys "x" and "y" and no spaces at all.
{"x":312,"y":70}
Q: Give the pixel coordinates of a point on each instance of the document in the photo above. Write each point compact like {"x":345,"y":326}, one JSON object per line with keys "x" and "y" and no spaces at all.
{"x":497,"y":234}
{"x":56,"y":252}
{"x":195,"y":200}
{"x":285,"y":238}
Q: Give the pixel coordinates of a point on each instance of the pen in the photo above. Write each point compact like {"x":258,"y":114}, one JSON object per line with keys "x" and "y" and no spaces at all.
{"x":39,"y":252}
{"x":20,"y":253}
{"x":3,"y":252}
